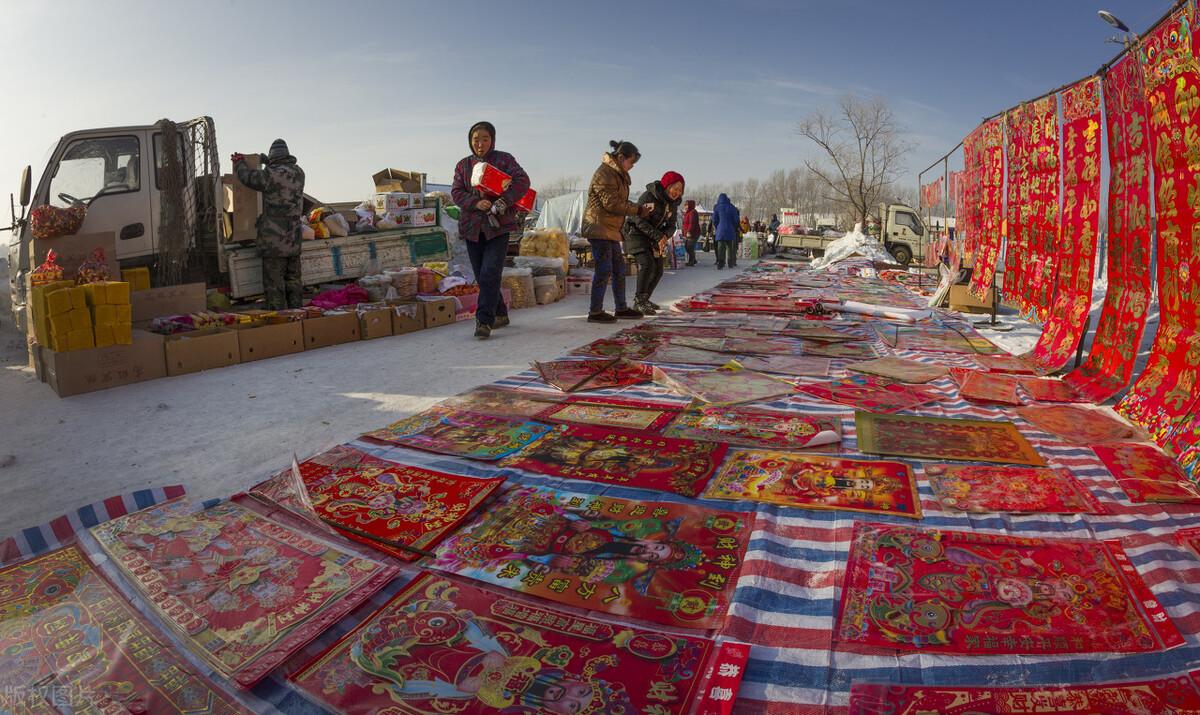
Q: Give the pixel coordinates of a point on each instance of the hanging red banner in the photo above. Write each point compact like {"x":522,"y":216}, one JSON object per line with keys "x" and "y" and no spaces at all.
{"x":967,"y":209}
{"x":989,"y":190}
{"x":1042,"y":226}
{"x":1017,"y":251}
{"x":1076,"y":249}
{"x":1164,"y":399}
{"x":1123,"y":318}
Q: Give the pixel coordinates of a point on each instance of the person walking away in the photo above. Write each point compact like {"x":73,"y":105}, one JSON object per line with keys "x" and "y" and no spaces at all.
{"x":281,"y":182}
{"x":646,"y":237}
{"x":607,"y":207}
{"x":486,"y":224}
{"x":691,"y":231}
{"x":725,"y":220}
{"x":773,"y":232}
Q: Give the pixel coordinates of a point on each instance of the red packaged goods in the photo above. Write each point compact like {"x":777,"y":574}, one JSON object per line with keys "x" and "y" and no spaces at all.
{"x":51,"y":222}
{"x":48,"y":272}
{"x":94,"y":269}
{"x":527,"y":202}
{"x":489,"y":180}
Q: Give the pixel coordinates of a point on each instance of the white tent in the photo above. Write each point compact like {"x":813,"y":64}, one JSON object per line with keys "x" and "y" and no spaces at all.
{"x":565,"y":212}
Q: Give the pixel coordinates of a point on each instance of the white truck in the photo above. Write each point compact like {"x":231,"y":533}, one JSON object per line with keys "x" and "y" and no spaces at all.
{"x":169,"y":215}
{"x":903,"y":234}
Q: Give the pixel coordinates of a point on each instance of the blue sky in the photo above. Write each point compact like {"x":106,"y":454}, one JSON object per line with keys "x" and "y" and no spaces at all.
{"x":713,"y":90}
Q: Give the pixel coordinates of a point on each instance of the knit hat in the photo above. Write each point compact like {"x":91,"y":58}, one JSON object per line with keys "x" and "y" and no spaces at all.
{"x":670,"y":178}
{"x":279,"y":150}
{"x":485,"y":126}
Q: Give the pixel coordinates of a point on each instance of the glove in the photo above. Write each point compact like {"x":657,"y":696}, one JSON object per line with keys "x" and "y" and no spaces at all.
{"x":500,"y":207}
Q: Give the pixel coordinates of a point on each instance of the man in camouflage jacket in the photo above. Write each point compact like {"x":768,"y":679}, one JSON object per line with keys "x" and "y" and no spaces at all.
{"x":281,"y":182}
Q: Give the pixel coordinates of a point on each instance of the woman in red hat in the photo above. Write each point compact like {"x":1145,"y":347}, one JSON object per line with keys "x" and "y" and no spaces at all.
{"x":646,"y":237}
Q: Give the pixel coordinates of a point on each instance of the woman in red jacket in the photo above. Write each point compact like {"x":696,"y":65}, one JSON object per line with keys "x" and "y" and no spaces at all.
{"x":691,"y":231}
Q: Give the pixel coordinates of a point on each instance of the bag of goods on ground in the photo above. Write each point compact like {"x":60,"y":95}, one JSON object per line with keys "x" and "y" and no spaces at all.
{"x":519,"y":281}
{"x":546,"y":289}
{"x":378,"y":287}
{"x":52,"y":222}
{"x":547,"y":242}
{"x":542,"y":265}
{"x":404,"y":280}
{"x":171,"y":324}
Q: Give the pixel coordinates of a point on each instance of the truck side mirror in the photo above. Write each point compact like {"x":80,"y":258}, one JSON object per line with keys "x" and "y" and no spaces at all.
{"x":25,"y":187}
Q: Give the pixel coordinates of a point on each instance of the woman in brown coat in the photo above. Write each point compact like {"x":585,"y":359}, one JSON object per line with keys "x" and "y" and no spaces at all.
{"x":607,"y":206}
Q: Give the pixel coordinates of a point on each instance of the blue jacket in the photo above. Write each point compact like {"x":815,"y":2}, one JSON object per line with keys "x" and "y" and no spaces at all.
{"x":725,"y":218}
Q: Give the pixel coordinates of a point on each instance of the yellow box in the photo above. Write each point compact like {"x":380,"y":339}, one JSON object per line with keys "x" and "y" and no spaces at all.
{"x":81,"y":320}
{"x":78,"y":298}
{"x":137,"y":278}
{"x":104,"y":314}
{"x":104,"y":335}
{"x":94,"y":293}
{"x":123,"y":334}
{"x":117,"y":292}
{"x":60,"y":324}
{"x":81,"y":340}
{"x":58,"y":302}
{"x":124,"y":313}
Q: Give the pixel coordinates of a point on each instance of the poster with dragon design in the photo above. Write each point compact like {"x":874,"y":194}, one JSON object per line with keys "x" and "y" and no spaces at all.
{"x":675,"y":564}
{"x":242,"y":591}
{"x":943,"y":438}
{"x":988,"y":489}
{"x":978,"y":594}
{"x":461,"y":434}
{"x":815,"y":482}
{"x":622,"y":458}
{"x":398,"y":509}
{"x":443,"y":646}
{"x":72,"y":643}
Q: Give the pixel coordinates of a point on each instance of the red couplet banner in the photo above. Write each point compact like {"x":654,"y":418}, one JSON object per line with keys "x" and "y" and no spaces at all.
{"x":967,"y":209}
{"x":990,"y":216}
{"x":1109,"y":365}
{"x":1040,"y":268}
{"x":1017,"y":128}
{"x":1164,"y":399}
{"x":1080,"y":218}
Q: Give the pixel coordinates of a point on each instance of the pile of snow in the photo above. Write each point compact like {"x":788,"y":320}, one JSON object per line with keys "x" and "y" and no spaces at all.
{"x":854,"y":243}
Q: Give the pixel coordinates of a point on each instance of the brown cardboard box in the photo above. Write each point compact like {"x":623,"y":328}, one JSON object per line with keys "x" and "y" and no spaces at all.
{"x":438,"y":311}
{"x":412,"y":182}
{"x":258,"y":341}
{"x":330,"y":330}
{"x":407,"y":316}
{"x":201,"y":350}
{"x":168,"y":300}
{"x":80,"y":371}
{"x":241,"y":205}
{"x":73,"y":250}
{"x":375,"y":323}
{"x":962,"y":299}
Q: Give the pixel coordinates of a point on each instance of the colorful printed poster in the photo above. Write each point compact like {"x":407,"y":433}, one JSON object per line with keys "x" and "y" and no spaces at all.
{"x":242,"y":591}
{"x":987,"y":209}
{"x":1146,"y":474}
{"x":986,"y":387}
{"x":728,"y":385}
{"x":442,"y":646}
{"x":750,"y":427}
{"x":973,"y":593}
{"x":852,"y":351}
{"x":1110,"y":363}
{"x":900,"y":369}
{"x":461,"y":434}
{"x":398,"y":509}
{"x":500,"y":402}
{"x":579,"y":375}
{"x":933,"y":338}
{"x":1049,"y":389}
{"x":1005,"y":363}
{"x":871,"y":393}
{"x":981,"y":490}
{"x":940,"y":438}
{"x":628,"y":345}
{"x":622,"y":458}
{"x":799,"y":365}
{"x":1176,"y":695}
{"x":1189,"y":538}
{"x":683,"y":355}
{"x":675,"y":564}
{"x":1081,"y":425}
{"x":813,"y":482}
{"x":72,"y":643}
{"x":1070,"y":296}
{"x":612,"y":412}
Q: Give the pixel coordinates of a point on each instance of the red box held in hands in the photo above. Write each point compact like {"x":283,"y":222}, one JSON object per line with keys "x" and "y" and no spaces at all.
{"x":492,"y":182}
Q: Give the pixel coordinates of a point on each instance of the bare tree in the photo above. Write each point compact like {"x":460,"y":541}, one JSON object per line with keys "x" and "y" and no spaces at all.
{"x":558,"y":187}
{"x":861,"y":150}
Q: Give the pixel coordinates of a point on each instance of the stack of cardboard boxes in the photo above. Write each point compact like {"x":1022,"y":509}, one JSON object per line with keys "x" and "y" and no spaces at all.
{"x":405,"y":209}
{"x":111,"y":313}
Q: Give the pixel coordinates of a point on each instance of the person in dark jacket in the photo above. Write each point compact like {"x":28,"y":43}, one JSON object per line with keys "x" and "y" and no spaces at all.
{"x":486,"y":239}
{"x":607,"y":207}
{"x":691,"y":231}
{"x":773,"y":230}
{"x":646,"y":236}
{"x":725,"y":220}
{"x":281,"y":182}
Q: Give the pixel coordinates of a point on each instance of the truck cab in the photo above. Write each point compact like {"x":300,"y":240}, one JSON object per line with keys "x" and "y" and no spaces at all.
{"x":121,"y":174}
{"x":903,"y":232}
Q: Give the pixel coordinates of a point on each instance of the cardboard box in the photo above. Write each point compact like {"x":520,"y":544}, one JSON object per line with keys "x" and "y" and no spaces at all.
{"x":438,"y":311}
{"x":962,"y":299}
{"x":422,"y":217}
{"x":74,"y":373}
{"x":407,"y":316}
{"x":330,"y":330}
{"x":74,"y":250}
{"x":242,"y":206}
{"x":137,"y":278}
{"x":201,"y":350}
{"x":375,"y":323}
{"x":579,"y":286}
{"x":258,"y":341}
{"x":389,"y":201}
{"x":168,"y":300}
{"x":412,"y":182}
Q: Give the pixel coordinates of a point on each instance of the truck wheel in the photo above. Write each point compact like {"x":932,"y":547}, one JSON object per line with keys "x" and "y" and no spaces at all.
{"x":903,"y":254}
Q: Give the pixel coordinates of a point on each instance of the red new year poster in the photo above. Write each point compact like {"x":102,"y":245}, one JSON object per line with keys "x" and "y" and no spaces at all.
{"x":989,"y":216}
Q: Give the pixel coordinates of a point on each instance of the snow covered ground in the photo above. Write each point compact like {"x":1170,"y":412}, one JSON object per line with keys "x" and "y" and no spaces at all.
{"x":221,"y":431}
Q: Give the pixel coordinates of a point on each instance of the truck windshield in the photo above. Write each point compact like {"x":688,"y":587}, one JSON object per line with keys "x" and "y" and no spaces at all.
{"x":95,"y":166}
{"x":910,"y":221}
